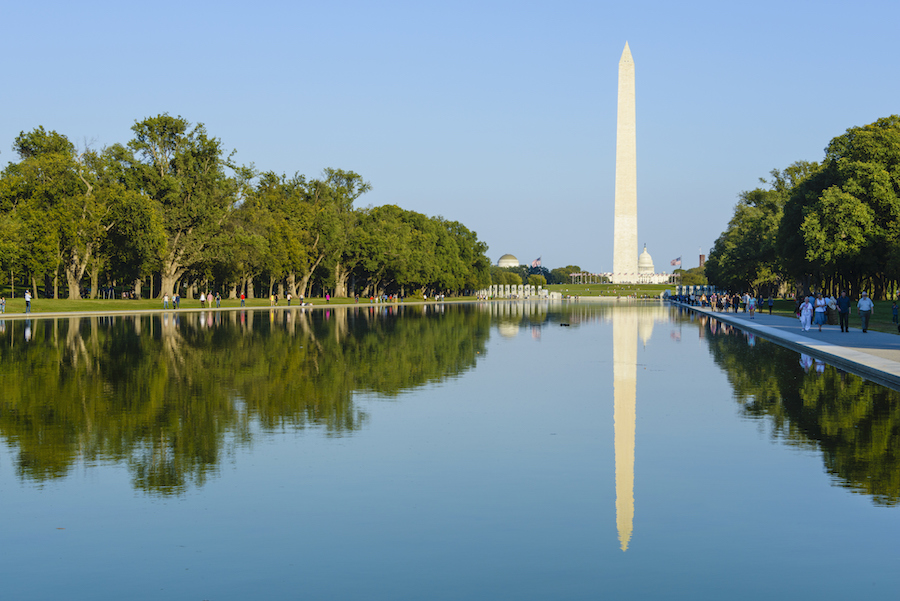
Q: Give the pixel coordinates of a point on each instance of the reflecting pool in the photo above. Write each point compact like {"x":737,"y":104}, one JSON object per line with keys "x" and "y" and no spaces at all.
{"x":460,"y":451}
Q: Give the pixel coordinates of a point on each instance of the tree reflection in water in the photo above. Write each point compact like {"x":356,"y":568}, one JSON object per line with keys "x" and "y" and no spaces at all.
{"x":170,"y":395}
{"x":853,"y":422}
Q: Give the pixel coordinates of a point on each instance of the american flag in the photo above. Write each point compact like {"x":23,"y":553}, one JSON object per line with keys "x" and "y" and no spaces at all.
{"x":676,"y":262}
{"x":536,"y":262}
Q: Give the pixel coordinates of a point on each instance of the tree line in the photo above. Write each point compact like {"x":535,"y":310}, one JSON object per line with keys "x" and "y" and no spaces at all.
{"x":532,"y":275}
{"x":820,"y":226}
{"x":170,"y":209}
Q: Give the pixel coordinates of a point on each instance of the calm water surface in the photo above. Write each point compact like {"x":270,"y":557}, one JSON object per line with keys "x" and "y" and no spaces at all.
{"x":522,"y":451}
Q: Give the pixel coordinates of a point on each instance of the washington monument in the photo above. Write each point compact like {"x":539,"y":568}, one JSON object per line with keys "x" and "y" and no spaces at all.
{"x":625,"y":244}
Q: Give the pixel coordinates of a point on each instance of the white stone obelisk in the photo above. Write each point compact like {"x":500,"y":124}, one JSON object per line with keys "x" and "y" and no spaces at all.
{"x":625,"y":244}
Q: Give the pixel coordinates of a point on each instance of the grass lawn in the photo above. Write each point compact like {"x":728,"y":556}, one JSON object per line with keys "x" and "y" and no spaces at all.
{"x":49,"y":305}
{"x":651,"y":290}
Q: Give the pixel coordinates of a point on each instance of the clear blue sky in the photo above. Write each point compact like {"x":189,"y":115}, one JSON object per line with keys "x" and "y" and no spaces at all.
{"x":500,"y":115}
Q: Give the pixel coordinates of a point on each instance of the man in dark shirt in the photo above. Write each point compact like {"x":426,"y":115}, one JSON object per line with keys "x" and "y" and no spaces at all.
{"x":843,"y":304}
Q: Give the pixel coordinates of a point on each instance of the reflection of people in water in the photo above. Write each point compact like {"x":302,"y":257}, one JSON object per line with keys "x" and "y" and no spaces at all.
{"x":820,"y":367}
{"x":805,"y":362}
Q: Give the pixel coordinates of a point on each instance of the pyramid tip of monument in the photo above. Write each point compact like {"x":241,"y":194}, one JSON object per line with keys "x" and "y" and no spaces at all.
{"x":626,"y":53}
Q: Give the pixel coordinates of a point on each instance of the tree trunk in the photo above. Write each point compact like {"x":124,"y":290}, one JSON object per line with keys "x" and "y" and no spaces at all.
{"x":304,"y":282}
{"x":340,"y":280}
{"x":75,"y":268}
{"x":250,"y":293}
{"x":233,"y":293}
{"x":74,"y":284}
{"x":292,"y":283}
{"x":137,"y":288}
{"x":95,"y":279}
{"x":168,"y":278}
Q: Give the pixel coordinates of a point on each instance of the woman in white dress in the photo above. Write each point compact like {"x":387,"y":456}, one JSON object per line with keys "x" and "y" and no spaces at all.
{"x":806,"y":312}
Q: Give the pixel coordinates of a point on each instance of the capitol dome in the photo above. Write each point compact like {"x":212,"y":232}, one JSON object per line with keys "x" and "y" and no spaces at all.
{"x":645,"y":262}
{"x":508,"y":261}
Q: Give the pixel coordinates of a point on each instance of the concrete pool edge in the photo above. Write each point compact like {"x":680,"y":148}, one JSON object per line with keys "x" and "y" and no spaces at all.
{"x":884,"y":370}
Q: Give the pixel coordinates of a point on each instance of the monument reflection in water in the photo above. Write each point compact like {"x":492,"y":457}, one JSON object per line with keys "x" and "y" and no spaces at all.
{"x":625,"y":333}
{"x":631,"y":324}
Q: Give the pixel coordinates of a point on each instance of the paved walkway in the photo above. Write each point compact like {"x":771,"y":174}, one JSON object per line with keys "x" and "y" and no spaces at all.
{"x":874,"y":355}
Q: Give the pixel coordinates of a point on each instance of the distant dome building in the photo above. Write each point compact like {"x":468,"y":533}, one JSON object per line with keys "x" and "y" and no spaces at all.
{"x":645,"y":262}
{"x":508,"y":261}
{"x":645,"y":274}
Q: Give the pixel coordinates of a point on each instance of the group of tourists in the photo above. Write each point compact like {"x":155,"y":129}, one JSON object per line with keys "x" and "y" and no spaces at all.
{"x":823,"y":309}
{"x":176,"y":301}
{"x":206,"y":299}
{"x":819,"y":309}
{"x":724,"y":302}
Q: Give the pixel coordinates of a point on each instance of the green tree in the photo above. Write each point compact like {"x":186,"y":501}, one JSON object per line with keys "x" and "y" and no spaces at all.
{"x":695,"y":276}
{"x":537,"y":280}
{"x":841,"y":225}
{"x":747,"y":256}
{"x":44,"y":191}
{"x":560,"y":275}
{"x":183,"y":170}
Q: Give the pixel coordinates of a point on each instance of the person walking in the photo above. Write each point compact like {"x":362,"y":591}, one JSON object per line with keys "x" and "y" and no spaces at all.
{"x":27,"y":301}
{"x":771,"y":304}
{"x":751,"y":302}
{"x":819,"y":306}
{"x":843,"y":309}
{"x":166,"y":300}
{"x":831,"y":309}
{"x":218,"y":300}
{"x":866,"y":309}
{"x":243,"y":299}
{"x":2,"y":304}
{"x":806,"y":311}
